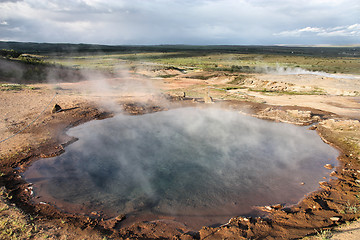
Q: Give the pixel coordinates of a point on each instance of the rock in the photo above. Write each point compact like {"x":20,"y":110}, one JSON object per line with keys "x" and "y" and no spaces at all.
{"x":208,"y":99}
{"x":95,"y":214}
{"x":277,"y":206}
{"x":120,"y":217}
{"x":56,"y":109}
{"x":113,"y":222}
{"x":313,"y":127}
{"x":335,"y":219}
{"x":268,"y":208}
{"x":316,"y":118}
{"x":328,"y":166}
{"x":299,"y":114}
{"x":325,"y":185}
{"x":272,"y":207}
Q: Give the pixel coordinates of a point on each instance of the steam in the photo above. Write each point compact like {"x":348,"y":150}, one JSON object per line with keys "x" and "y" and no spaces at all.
{"x":106,"y":87}
{"x":186,"y":161}
{"x":10,"y":70}
{"x":296,"y":71}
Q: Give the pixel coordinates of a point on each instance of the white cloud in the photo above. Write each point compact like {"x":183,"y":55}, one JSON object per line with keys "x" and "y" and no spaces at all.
{"x":179,"y":21}
{"x":310,"y":29}
{"x":338,"y":31}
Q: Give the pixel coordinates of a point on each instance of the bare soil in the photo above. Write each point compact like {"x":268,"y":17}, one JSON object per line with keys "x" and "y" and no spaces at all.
{"x":334,"y":115}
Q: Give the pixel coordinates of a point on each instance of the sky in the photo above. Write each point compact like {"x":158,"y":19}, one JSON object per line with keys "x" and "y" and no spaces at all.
{"x":196,"y":22}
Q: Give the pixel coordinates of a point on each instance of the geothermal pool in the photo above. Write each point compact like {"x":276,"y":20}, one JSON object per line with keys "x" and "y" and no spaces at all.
{"x":197,"y":166}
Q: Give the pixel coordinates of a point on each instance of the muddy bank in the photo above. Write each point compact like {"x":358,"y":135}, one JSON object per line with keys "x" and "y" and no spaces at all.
{"x":337,"y":201}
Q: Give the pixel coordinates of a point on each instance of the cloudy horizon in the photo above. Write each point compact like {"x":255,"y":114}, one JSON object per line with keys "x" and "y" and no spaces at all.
{"x":199,"y":22}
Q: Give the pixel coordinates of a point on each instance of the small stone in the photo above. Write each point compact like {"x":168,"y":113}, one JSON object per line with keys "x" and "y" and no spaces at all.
{"x":333,"y":173}
{"x":313,"y":127}
{"x":56,"y":109}
{"x":277,"y":206}
{"x":120,"y":217}
{"x":335,"y":219}
{"x":268,"y":208}
{"x":302,"y":183}
{"x":208,"y":99}
{"x":328,"y":166}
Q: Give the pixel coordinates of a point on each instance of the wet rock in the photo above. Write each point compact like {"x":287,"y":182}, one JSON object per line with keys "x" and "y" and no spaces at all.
{"x":95,"y":214}
{"x":316,"y":119}
{"x":120,"y":217}
{"x":291,"y":116}
{"x":299,"y":114}
{"x":56,"y":108}
{"x":113,"y":222}
{"x":325,"y":185}
{"x":328,"y":166}
{"x":313,"y":127}
{"x":277,"y":206}
{"x":208,"y":99}
{"x":335,"y":219}
{"x":271,"y":208}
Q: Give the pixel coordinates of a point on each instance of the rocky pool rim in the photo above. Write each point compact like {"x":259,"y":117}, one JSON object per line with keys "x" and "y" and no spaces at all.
{"x":13,"y":166}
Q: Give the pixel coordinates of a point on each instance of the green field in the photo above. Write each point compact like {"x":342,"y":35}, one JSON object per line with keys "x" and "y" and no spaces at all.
{"x":231,"y":62}
{"x":231,"y":59}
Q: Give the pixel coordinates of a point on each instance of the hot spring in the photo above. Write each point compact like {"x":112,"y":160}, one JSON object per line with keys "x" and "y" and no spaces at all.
{"x":197,"y":166}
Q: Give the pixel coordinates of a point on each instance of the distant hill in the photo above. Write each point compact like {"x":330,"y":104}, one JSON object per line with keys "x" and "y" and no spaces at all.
{"x":67,"y":48}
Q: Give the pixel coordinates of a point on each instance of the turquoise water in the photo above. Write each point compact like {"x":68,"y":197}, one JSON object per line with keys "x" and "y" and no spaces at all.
{"x":185,"y":163}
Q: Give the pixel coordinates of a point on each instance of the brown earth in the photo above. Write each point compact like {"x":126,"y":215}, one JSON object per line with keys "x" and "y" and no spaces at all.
{"x":337,"y":202}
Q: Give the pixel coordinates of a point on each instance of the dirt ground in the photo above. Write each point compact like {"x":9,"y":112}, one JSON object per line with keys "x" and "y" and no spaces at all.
{"x":29,"y":130}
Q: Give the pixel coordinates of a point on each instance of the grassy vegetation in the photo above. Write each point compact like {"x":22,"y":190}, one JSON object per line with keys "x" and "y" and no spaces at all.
{"x":9,"y":53}
{"x":233,"y":88}
{"x":168,"y":75}
{"x":313,"y":92}
{"x":60,"y":49}
{"x":30,"y":69}
{"x":239,"y":59}
{"x":13,"y":223}
{"x":203,"y":77}
{"x":229,"y":62}
{"x":249,"y":63}
{"x":15,"y":87}
{"x":324,"y":234}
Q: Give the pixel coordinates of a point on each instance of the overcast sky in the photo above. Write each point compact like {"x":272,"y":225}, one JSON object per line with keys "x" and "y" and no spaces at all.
{"x":201,"y":22}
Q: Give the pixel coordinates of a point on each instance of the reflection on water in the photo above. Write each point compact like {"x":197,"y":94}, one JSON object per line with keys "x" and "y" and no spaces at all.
{"x":184,"y":163}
